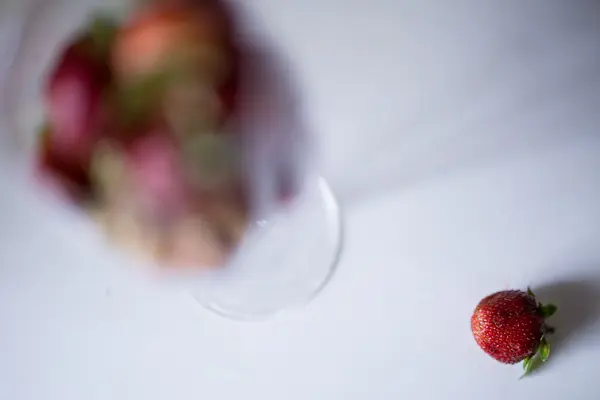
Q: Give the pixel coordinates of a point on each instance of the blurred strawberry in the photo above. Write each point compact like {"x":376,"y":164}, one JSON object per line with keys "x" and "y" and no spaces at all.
{"x":65,"y":177}
{"x":74,"y":99}
{"x":212,"y":161}
{"x":165,"y":36}
{"x":108,"y":173}
{"x":228,"y":91}
{"x":153,"y":162}
{"x":229,"y":218}
{"x":193,"y":242}
{"x":192,"y":107}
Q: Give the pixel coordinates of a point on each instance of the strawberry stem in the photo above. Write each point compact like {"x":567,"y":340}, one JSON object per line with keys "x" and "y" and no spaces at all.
{"x":527,"y":366}
{"x":542,"y":353}
{"x":548,"y":310}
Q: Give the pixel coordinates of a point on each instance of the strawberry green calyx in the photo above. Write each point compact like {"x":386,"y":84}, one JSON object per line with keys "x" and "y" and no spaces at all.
{"x":548,"y":310}
{"x":137,"y":98}
{"x":44,"y":134}
{"x":103,"y":31}
{"x":542,"y":353}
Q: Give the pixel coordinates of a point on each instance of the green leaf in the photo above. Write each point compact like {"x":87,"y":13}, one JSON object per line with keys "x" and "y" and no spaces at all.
{"x":107,"y":166}
{"x":526,"y":363}
{"x":103,"y":30}
{"x":530,"y":292}
{"x":541,"y":355}
{"x":44,"y":133}
{"x":212,"y":159}
{"x":528,"y":366}
{"x":544,"y":350}
{"x":548,"y":310}
{"x":137,"y":98}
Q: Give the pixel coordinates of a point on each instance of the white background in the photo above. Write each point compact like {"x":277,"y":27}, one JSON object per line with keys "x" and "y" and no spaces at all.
{"x":463,"y":139}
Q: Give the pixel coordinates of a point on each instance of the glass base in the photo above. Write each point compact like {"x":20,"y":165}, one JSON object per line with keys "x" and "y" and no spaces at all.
{"x":283,"y":263}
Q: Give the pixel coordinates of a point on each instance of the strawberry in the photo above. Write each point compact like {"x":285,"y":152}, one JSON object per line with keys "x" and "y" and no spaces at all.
{"x":211,"y":161}
{"x":510,"y":326}
{"x":166,"y":36}
{"x":76,"y":112}
{"x":74,"y":98}
{"x":155,"y":168}
{"x":64,"y":176}
{"x":172,"y":48}
{"x":193,"y":242}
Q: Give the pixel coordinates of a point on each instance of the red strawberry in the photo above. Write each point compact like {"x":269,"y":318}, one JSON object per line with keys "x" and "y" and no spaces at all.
{"x":174,"y":45}
{"x":154,"y":164}
{"x":163,"y":34}
{"x":65,"y":177}
{"x":510,"y":326}
{"x":74,"y":99}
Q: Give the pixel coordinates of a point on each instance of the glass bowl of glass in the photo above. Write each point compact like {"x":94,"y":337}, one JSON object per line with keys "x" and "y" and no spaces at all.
{"x":291,"y":239}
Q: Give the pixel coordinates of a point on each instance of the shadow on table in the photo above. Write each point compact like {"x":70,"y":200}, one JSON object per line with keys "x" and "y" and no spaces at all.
{"x":578,"y":315}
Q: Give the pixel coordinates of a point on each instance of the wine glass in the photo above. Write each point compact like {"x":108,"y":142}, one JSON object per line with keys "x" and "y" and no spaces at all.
{"x":291,"y":248}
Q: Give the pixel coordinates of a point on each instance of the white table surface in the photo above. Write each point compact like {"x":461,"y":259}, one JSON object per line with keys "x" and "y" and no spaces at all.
{"x":463,"y":139}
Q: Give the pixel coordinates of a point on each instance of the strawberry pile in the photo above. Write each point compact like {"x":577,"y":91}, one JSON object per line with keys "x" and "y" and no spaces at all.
{"x":511,"y":327}
{"x":137,"y":131}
